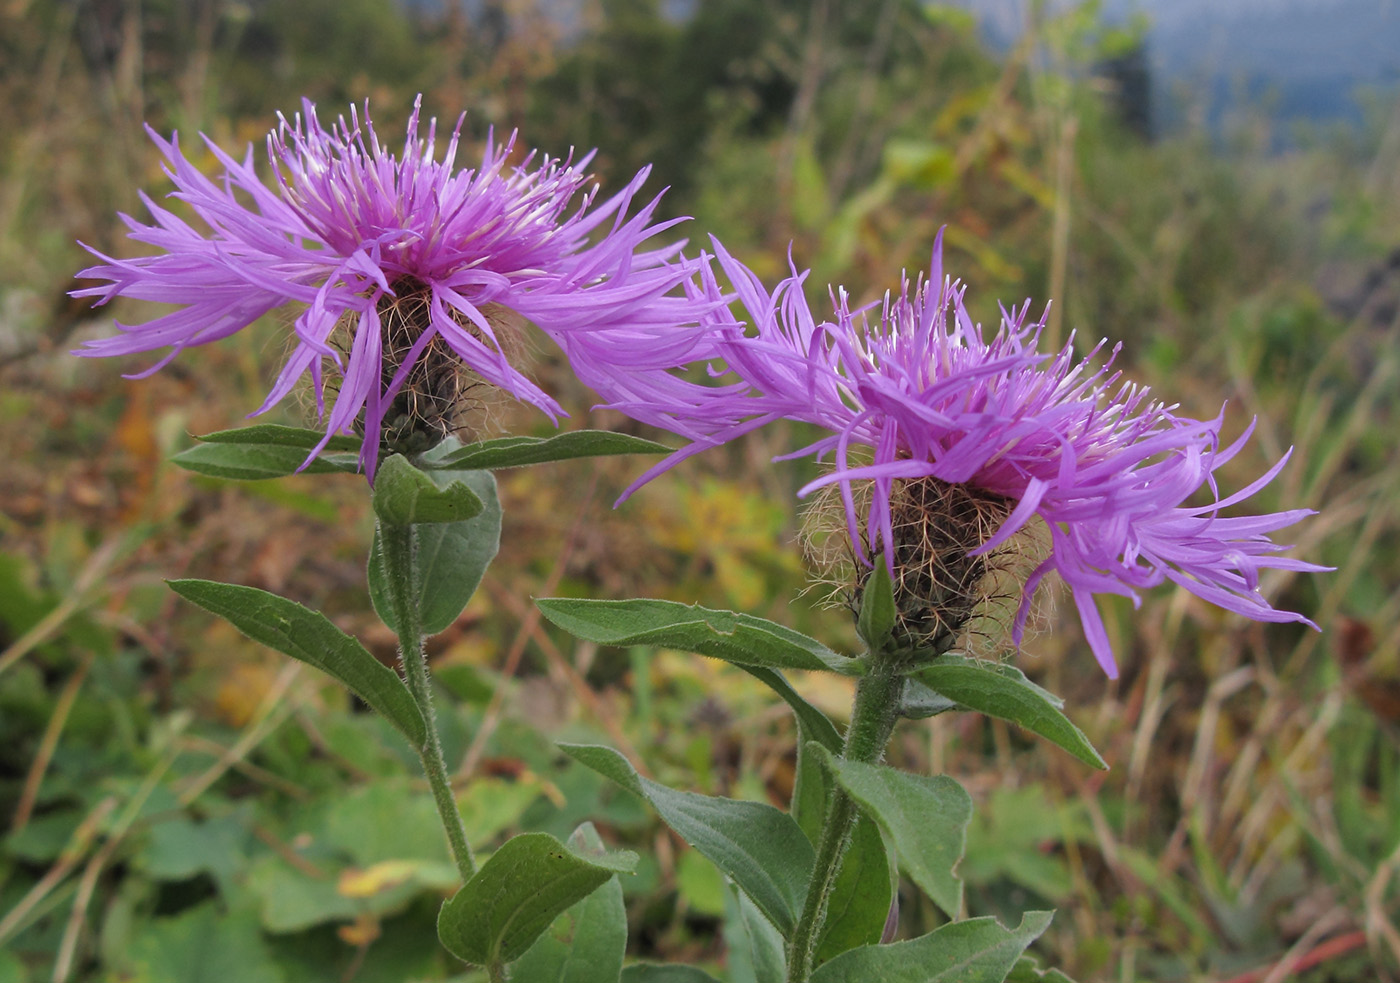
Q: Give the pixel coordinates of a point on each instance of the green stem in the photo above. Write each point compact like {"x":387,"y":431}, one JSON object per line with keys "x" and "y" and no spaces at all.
{"x":400,"y":552}
{"x":872,"y":720}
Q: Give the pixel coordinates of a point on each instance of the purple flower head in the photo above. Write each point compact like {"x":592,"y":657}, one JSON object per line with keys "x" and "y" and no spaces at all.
{"x":911,"y":390}
{"x":401,"y":264}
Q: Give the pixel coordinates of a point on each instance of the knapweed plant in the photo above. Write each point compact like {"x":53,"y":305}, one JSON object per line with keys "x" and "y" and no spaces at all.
{"x":963,"y":471}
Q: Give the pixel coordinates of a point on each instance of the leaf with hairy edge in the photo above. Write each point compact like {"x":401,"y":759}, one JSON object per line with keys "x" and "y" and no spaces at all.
{"x":918,"y":701}
{"x":1004,"y":692}
{"x":405,"y":496}
{"x":1027,"y":970}
{"x":760,"y":848}
{"x":756,"y":950}
{"x":979,"y":950}
{"x":586,"y":943}
{"x":452,"y":557}
{"x":925,"y":818}
{"x":738,"y":638}
{"x":309,"y":637}
{"x":254,"y":462}
{"x":519,"y":452}
{"x":516,"y":894}
{"x":272,"y":433}
{"x":811,"y":790}
{"x":862,"y":895}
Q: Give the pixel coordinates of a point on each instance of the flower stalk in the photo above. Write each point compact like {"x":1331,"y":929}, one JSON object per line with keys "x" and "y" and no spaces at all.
{"x":873,"y":716}
{"x":399,"y":544}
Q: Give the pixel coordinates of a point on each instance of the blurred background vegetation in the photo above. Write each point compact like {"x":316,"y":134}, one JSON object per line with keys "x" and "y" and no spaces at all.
{"x":177,"y":804}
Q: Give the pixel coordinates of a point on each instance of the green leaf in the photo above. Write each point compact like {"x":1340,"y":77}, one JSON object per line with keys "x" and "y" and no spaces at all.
{"x":253,"y":462}
{"x":875,"y":623}
{"x":1004,"y":692}
{"x":201,"y":945}
{"x":670,"y":973}
{"x":918,"y":701}
{"x":518,"y":452}
{"x":862,"y":895}
{"x":586,"y":943}
{"x":272,"y":433}
{"x":517,"y":894}
{"x":1027,"y":970}
{"x":925,"y":818}
{"x":738,"y":638}
{"x":761,"y":848}
{"x":309,"y":637}
{"x":756,"y":950}
{"x":811,"y":790}
{"x":405,"y":496}
{"x":978,"y":950}
{"x":452,"y":557}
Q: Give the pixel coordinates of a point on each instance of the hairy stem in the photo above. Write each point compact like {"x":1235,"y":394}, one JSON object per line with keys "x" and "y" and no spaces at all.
{"x":872,"y":721}
{"x":400,"y":548}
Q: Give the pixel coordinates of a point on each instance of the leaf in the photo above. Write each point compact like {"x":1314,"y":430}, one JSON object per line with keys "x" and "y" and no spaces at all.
{"x":586,"y":943}
{"x":253,"y":462}
{"x":862,"y":895}
{"x":309,"y":637}
{"x":452,"y":557}
{"x":738,"y":638}
{"x":756,"y":950}
{"x":811,"y":789}
{"x":518,"y":452}
{"x":272,"y":433}
{"x":517,"y":893}
{"x":762,"y":849}
{"x":201,"y":945}
{"x":925,"y":818}
{"x":1027,"y":970}
{"x":1005,"y":692}
{"x":665,"y":973}
{"x":876,"y":620}
{"x":405,"y":496}
{"x":918,"y":701}
{"x":978,"y":950}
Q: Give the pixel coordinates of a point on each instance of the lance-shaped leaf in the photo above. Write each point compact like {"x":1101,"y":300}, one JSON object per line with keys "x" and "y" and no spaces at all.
{"x":762,"y":849}
{"x":518,"y":452}
{"x":452,"y":557}
{"x":925,"y":818}
{"x":586,"y":943}
{"x":1027,"y":970}
{"x":738,"y":638}
{"x":405,"y":496}
{"x":255,"y":462}
{"x":811,"y":788}
{"x":862,"y":895}
{"x":273,"y":433}
{"x":978,"y":950}
{"x":1004,"y":691}
{"x":756,"y":950}
{"x":309,"y":637}
{"x":517,"y":894}
{"x":918,"y":701}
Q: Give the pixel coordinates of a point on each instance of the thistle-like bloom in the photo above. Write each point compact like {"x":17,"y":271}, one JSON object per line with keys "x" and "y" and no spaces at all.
{"x":917,"y":400}
{"x":407,"y":271}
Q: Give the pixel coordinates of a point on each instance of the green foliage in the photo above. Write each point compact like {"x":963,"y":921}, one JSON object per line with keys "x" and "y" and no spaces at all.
{"x":405,"y":496}
{"x":450,"y":559}
{"x":924,"y":817}
{"x":519,"y":452}
{"x":761,"y":849}
{"x":308,"y":636}
{"x":738,"y":638}
{"x":1003,"y":691}
{"x":258,"y":462}
{"x":978,"y":950}
{"x":515,"y":895}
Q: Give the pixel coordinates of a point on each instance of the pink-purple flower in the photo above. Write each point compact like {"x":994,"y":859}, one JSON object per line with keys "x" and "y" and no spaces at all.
{"x":345,"y":228}
{"x":912,"y":388}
